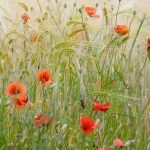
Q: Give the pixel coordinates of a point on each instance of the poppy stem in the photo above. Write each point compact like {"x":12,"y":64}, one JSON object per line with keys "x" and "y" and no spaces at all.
{"x":44,"y":99}
{"x":136,"y":36}
{"x":117,"y":12}
{"x":83,"y":142}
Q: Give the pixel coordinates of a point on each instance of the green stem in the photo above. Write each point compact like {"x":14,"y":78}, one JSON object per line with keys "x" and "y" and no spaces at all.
{"x":137,"y":34}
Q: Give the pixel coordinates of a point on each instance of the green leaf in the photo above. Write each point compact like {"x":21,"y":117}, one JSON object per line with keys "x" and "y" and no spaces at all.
{"x":2,"y":139}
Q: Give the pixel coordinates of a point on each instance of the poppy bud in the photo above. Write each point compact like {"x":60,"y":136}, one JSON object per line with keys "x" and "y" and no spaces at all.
{"x":148,"y":48}
{"x":121,"y":29}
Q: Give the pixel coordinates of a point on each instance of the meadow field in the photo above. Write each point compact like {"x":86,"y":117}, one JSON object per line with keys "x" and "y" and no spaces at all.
{"x":74,"y":75}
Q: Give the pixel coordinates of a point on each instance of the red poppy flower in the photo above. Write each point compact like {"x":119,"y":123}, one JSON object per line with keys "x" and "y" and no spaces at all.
{"x":121,"y":29}
{"x":45,"y":76}
{"x":42,"y":120}
{"x":15,"y":88}
{"x":88,"y":125}
{"x":104,"y":149}
{"x":100,"y":107}
{"x":25,"y":18}
{"x":91,"y":11}
{"x":148,"y":44}
{"x":119,"y":143}
{"x":20,"y":101}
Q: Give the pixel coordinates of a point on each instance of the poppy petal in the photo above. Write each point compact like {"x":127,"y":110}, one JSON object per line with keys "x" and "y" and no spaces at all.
{"x":119,"y":143}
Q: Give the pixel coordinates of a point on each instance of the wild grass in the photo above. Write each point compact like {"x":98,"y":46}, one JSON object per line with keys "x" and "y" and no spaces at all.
{"x":88,"y":61}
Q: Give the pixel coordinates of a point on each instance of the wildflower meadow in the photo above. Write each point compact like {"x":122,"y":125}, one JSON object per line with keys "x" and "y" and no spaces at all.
{"x":74,"y":75}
